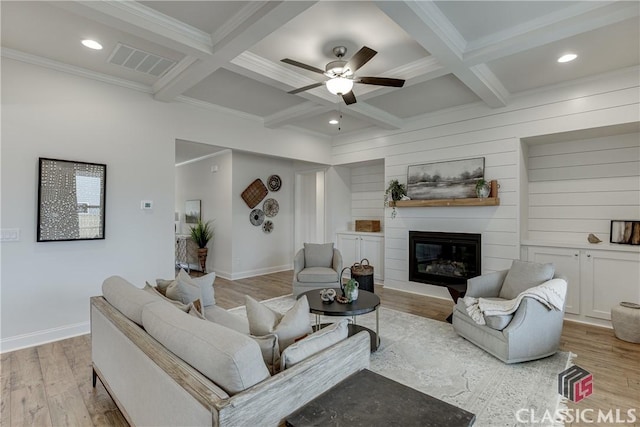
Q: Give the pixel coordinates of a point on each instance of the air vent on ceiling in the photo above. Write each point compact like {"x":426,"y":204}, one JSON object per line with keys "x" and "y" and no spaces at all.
{"x":139,"y":60}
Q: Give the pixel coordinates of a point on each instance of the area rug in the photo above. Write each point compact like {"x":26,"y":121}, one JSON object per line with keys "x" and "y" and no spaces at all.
{"x":429,"y":356}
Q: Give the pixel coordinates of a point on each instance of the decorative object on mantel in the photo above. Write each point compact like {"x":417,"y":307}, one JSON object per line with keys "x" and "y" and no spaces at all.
{"x":271,"y":207}
{"x":592,"y":238}
{"x":445,"y":180}
{"x":201,"y":233}
{"x":256,"y":217}
{"x":267,"y":227}
{"x":274,"y":182}
{"x":395,"y":191}
{"x":71,"y":200}
{"x":625,"y":232}
{"x":482,"y":188}
{"x":254,"y":193}
{"x":492,"y":200}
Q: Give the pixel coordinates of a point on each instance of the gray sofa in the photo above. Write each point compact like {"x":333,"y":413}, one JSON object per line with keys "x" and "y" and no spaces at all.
{"x":203,"y":373}
{"x":532,"y":332}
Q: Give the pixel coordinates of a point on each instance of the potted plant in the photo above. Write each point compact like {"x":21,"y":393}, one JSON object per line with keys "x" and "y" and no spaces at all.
{"x":201,"y":233}
{"x":482,"y":188}
{"x":395,"y":191}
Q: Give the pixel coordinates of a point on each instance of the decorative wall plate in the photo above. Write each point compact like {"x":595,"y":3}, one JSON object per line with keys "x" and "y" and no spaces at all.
{"x":271,"y":207}
{"x":267,"y":227}
{"x":256,"y":217}
{"x":274,"y":183}
{"x":254,"y":193}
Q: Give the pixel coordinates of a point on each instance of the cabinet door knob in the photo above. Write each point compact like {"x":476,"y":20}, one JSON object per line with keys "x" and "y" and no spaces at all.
{"x":575,"y":255}
{"x":588,"y":255}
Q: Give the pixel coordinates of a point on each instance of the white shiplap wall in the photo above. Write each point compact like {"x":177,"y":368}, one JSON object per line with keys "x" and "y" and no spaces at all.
{"x":479,"y":131}
{"x":577,"y":187}
{"x":367,"y":192}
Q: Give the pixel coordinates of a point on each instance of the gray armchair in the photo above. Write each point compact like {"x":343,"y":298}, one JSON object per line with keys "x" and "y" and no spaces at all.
{"x":531,"y":332}
{"x":316,"y":266}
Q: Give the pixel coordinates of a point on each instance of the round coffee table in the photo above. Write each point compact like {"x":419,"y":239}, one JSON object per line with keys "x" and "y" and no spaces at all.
{"x":366,"y":303}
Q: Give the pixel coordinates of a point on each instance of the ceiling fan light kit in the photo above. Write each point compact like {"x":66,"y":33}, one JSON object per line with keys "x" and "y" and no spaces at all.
{"x":341,"y":74}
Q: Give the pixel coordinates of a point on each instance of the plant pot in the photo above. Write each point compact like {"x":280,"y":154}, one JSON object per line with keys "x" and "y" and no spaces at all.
{"x":483,"y":191}
{"x":202,"y":257}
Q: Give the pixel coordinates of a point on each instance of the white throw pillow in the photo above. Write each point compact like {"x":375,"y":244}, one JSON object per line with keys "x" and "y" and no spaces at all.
{"x":289,"y":327}
{"x":183,"y":291}
{"x":205,"y":283}
{"x":314,"y":343}
{"x":154,"y":291}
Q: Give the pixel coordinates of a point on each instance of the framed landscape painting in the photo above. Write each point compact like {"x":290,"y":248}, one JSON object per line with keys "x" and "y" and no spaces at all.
{"x":444,"y":180}
{"x":192,"y":211}
{"x":71,"y":200}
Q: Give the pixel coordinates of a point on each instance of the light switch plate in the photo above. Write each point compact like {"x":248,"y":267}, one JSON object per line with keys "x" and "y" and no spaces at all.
{"x":146,"y":204}
{"x":9,"y":235}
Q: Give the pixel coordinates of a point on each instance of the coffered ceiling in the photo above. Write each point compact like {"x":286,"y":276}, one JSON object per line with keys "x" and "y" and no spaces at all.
{"x":228,"y":53}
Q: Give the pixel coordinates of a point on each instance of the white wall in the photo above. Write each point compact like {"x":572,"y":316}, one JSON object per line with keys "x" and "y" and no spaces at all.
{"x":577,"y":187}
{"x":46,"y":113}
{"x":479,"y":131}
{"x":195,"y":181}
{"x":338,"y":196}
{"x":255,"y":252}
{"x":367,"y":193}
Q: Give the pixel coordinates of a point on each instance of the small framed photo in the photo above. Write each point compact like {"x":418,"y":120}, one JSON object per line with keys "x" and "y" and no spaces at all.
{"x":192,"y":211}
{"x":625,"y":232}
{"x":71,"y":200}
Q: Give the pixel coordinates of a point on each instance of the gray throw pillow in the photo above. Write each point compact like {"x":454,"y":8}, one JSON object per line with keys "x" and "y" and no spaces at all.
{"x":185,"y":292}
{"x":205,"y":283}
{"x":524,"y":275}
{"x":314,"y":343}
{"x":154,"y":291}
{"x":290,"y":327}
{"x":318,"y":255}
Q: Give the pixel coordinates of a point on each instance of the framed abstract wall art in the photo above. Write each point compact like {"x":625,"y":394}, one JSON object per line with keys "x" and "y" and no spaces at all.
{"x":71,"y":200}
{"x":444,"y":180}
{"x":625,"y":232}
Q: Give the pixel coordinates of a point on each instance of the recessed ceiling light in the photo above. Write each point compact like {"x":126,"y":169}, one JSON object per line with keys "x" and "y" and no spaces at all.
{"x":567,"y":57}
{"x":92,"y":44}
{"x":333,"y":122}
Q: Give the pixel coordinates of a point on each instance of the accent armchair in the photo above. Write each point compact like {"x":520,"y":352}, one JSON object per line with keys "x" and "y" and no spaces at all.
{"x":531,"y":332}
{"x":316,"y":266}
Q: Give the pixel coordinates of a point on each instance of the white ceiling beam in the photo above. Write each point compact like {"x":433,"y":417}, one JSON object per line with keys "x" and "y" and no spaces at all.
{"x":298,"y":112}
{"x":255,"y":22}
{"x":145,"y":22}
{"x":423,"y":21}
{"x":568,"y":22}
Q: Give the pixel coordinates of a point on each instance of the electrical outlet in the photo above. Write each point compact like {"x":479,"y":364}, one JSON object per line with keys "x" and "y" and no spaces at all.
{"x":146,"y":204}
{"x":9,"y":235}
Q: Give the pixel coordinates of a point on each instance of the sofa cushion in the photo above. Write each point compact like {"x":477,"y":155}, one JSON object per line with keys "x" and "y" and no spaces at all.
{"x":152,"y":290}
{"x":163,"y":284}
{"x":318,"y":275}
{"x":524,"y":275}
{"x":127,"y":298}
{"x":318,"y":254}
{"x":231,"y":360}
{"x":314,"y":343}
{"x":270,"y":351}
{"x":192,"y":310}
{"x":222,"y":317}
{"x":290,"y":327}
{"x":205,"y":283}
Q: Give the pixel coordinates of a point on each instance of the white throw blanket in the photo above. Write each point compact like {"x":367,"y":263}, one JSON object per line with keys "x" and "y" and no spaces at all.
{"x":550,"y":293}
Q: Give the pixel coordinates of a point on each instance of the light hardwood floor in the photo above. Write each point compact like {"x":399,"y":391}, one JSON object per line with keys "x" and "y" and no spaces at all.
{"x":50,"y":385}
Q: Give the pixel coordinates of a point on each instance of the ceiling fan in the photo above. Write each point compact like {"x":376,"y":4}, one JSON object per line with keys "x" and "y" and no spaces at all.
{"x":341,"y":74}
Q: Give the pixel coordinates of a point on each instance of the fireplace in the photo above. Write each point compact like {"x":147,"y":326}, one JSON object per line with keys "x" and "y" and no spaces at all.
{"x":443,"y":258}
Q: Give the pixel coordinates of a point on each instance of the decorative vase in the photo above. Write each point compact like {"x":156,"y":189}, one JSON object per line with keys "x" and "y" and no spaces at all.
{"x":482,"y":191}
{"x":202,"y":257}
{"x":350,"y":290}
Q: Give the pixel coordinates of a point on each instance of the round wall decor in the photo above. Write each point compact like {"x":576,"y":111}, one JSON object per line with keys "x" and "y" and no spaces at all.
{"x":274,"y":183}
{"x":271,"y":207}
{"x":256,"y":217}
{"x":267,"y":227}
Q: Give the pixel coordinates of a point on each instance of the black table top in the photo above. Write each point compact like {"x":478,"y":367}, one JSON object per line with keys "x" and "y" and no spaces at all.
{"x":366,"y":303}
{"x":368,"y":399}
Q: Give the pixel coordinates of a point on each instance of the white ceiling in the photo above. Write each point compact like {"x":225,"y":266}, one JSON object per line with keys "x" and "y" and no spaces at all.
{"x":228,"y":53}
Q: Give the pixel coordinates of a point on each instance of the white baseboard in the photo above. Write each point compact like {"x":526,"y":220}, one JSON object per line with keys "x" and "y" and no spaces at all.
{"x":261,"y":271}
{"x":42,"y":337}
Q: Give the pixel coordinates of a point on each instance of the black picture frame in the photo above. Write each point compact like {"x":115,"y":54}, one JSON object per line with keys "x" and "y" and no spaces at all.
{"x":71,"y":200}
{"x":625,"y":232}
{"x":453,"y":179}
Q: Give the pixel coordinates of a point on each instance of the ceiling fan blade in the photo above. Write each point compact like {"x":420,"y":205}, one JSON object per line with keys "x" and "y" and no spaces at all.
{"x":380,"y":81}
{"x":302,"y":89}
{"x":360,"y":58}
{"x":349,"y":98}
{"x":301,"y":65}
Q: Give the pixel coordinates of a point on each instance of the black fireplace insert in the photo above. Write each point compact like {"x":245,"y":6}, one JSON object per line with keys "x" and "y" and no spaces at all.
{"x":444,"y":259}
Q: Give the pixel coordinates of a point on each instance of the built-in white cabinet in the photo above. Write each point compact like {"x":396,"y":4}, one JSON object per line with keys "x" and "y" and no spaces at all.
{"x":598,"y":279}
{"x":356,"y":246}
